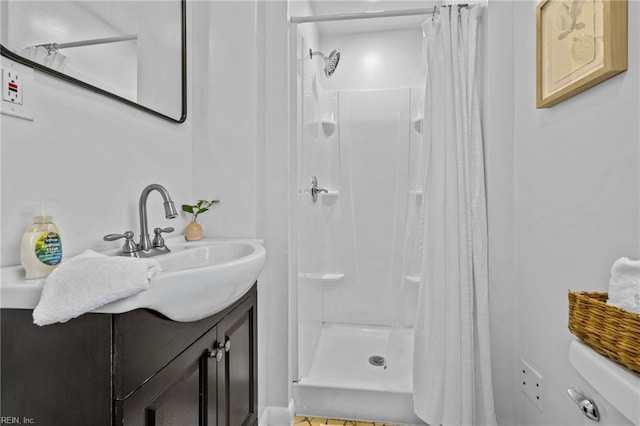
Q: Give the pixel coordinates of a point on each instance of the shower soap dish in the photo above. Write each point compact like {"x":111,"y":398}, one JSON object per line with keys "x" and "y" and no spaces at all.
{"x":609,"y":330}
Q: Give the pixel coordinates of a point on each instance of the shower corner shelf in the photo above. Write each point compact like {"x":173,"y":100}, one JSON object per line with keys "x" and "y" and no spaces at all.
{"x":321,"y":278}
{"x":329,"y":196}
{"x":328,"y":127}
{"x":413,"y":280}
{"x":417,"y":193}
{"x":416,"y":123}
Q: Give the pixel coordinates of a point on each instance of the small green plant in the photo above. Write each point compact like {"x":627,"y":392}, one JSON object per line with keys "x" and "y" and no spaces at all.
{"x":198,"y":208}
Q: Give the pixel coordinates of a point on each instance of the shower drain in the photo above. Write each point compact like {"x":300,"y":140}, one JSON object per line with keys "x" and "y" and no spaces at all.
{"x":376,"y":360}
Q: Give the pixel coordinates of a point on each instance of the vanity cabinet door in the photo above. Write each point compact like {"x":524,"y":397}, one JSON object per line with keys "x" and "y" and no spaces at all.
{"x":182,"y":393}
{"x":56,"y":375}
{"x":237,"y":375}
{"x":178,"y":403}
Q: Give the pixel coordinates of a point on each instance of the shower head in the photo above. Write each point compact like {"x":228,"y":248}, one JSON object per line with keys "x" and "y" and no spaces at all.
{"x":330,"y":62}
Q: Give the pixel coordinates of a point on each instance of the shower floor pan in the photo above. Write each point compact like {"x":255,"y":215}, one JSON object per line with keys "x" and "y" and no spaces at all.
{"x":353,"y":375}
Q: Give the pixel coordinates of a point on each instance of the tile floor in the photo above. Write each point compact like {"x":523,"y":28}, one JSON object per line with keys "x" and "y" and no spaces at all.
{"x":321,"y":421}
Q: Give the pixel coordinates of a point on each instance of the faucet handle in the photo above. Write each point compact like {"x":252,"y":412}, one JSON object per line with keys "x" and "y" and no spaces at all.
{"x":129,"y":248}
{"x":315,"y":189}
{"x":158,"y":241}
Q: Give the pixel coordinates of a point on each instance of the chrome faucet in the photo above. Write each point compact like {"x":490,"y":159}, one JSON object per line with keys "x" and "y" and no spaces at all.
{"x":145,"y":249}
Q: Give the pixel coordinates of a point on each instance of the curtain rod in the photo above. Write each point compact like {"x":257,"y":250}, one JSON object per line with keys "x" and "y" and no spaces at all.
{"x":361,"y":15}
{"x":367,"y":15}
{"x":56,"y":46}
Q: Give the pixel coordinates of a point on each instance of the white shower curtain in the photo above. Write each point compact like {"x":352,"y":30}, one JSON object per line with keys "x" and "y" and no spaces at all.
{"x":452,"y":366}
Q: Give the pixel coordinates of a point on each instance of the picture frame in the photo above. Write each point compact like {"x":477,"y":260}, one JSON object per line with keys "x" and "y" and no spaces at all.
{"x":579,"y":43}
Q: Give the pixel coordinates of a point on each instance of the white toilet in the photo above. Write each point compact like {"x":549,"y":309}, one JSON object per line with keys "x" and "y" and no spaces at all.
{"x":613,"y":389}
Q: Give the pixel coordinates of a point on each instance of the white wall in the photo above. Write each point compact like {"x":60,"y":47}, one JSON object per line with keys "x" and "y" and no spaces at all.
{"x":274,"y":202}
{"x":226,"y":134}
{"x":241,"y":155}
{"x":576,"y":207}
{"x":376,"y":60}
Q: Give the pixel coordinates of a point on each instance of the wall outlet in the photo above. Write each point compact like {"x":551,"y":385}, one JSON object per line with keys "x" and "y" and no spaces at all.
{"x":17,"y":89}
{"x":531,"y":383}
{"x":11,"y":86}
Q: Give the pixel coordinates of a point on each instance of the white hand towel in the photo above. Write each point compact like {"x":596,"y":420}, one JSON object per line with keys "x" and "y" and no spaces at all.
{"x":624,"y":285}
{"x":91,"y":280}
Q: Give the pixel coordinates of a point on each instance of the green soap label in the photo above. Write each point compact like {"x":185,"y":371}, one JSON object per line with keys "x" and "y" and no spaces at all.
{"x":49,"y":248}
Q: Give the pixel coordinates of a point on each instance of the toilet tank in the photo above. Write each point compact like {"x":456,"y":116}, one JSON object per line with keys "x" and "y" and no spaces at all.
{"x":614,"y":389}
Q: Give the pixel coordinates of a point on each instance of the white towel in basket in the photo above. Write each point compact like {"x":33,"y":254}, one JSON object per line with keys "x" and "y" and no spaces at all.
{"x":624,"y":285}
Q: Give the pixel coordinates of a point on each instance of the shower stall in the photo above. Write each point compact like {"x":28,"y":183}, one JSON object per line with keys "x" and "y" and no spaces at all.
{"x":353,"y":291}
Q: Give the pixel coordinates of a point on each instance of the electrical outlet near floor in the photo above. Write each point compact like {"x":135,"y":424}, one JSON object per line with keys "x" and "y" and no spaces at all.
{"x":531,"y":383}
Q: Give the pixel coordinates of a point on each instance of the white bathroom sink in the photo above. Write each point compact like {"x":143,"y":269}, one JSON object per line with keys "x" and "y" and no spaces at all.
{"x":198,"y":279}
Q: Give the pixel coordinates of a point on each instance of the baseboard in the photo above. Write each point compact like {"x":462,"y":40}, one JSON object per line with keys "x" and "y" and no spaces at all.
{"x":278,"y":416}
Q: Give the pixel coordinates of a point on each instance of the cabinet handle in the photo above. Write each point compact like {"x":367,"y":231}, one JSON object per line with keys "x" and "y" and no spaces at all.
{"x":226,"y":346}
{"x":217,"y":354}
{"x":217,"y":351}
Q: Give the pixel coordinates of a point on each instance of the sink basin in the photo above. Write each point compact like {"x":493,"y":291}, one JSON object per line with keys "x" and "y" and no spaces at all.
{"x":203,"y":254}
{"x":198,"y":279}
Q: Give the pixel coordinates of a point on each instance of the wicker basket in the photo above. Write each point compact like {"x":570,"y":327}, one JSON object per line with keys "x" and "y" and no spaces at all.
{"x":610,"y":331}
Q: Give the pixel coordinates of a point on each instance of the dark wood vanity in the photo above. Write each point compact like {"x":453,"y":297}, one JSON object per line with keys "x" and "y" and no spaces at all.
{"x":134,"y":369}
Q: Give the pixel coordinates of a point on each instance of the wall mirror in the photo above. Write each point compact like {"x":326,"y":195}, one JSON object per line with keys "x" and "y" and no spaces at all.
{"x":132,"y":51}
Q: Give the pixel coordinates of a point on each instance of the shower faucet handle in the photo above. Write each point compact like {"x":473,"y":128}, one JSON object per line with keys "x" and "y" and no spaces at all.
{"x":315,"y":189}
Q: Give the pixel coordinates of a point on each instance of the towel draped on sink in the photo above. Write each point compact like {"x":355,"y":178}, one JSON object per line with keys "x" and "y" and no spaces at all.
{"x":89,"y":281}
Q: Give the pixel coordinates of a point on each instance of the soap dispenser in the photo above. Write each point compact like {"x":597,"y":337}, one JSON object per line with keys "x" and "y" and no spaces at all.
{"x":41,"y":250}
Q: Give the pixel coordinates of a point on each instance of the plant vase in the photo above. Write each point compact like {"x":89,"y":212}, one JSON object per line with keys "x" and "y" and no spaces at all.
{"x":193,"y":231}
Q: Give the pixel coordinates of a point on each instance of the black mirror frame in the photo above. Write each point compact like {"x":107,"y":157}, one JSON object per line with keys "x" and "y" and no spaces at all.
{"x":15,"y":57}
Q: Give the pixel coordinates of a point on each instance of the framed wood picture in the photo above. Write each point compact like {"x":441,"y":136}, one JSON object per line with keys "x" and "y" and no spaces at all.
{"x":579,"y":44}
